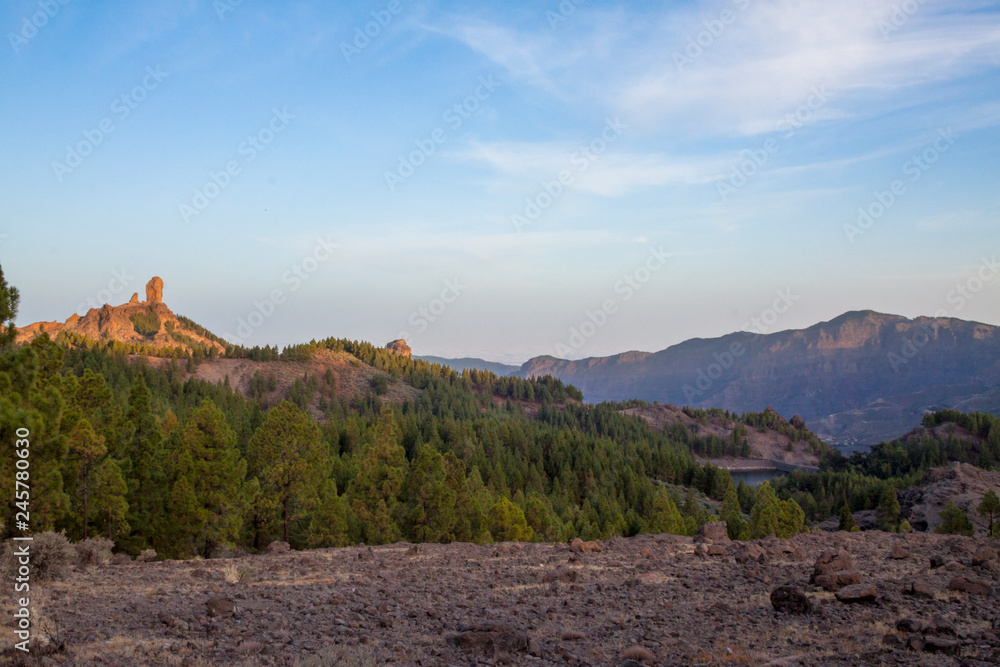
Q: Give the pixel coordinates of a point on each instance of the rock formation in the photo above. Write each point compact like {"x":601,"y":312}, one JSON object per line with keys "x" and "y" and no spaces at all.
{"x":399,"y":347}
{"x":154,"y":290}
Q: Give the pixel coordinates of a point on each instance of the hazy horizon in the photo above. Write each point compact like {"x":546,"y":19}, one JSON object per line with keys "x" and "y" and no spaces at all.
{"x":483,"y":181}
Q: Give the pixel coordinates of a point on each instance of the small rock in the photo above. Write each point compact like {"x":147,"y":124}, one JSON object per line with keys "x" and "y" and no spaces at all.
{"x":832,"y":561}
{"x":858,"y":593}
{"x":936,"y":562}
{"x":490,"y":640}
{"x":790,"y":600}
{"x":899,"y":552}
{"x":941,"y":645}
{"x":748,"y":551}
{"x":984,"y":555}
{"x":969,"y":585}
{"x":716,"y":550}
{"x":954,"y":566}
{"x":716,"y":531}
{"x":577,"y":545}
{"x":924,"y":588}
{"x":220,"y":607}
{"x":910,"y":625}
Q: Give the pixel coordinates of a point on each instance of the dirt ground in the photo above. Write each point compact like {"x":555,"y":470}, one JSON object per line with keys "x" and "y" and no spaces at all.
{"x":651,"y":599}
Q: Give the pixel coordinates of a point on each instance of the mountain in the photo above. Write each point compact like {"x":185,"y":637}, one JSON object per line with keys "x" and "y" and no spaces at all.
{"x":472,"y":363}
{"x":858,"y":379}
{"x":147,"y":325}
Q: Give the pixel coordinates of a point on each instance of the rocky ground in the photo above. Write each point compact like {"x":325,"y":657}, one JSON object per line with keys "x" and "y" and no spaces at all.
{"x":845,"y":599}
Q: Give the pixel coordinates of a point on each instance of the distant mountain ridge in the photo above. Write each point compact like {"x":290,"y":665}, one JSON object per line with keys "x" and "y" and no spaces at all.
{"x":473,"y":363}
{"x":861,"y":377}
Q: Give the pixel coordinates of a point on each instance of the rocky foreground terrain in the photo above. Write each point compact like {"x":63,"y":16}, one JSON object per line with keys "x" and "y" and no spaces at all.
{"x":824,"y":598}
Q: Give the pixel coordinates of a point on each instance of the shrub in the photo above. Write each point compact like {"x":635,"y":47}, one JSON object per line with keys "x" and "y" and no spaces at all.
{"x":954,"y":521}
{"x":146,"y":323}
{"x":147,"y":556}
{"x":51,"y":555}
{"x":94,"y":551}
{"x":379,"y":384}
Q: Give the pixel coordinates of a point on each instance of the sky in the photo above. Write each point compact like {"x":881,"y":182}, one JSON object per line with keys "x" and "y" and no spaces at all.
{"x":502,"y":179}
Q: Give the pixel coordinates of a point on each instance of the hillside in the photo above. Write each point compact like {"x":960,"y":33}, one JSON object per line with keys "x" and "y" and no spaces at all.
{"x":862,"y":377}
{"x":735,"y":443}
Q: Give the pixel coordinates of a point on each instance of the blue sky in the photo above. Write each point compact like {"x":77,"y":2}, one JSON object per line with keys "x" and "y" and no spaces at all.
{"x":662,"y":172}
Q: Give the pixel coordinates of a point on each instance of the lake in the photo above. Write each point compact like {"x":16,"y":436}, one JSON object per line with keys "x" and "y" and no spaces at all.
{"x":755,"y":477}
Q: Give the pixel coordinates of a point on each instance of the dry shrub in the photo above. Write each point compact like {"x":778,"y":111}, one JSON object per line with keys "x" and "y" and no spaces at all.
{"x":343,"y":656}
{"x":243,"y":573}
{"x":146,"y":556}
{"x":638,"y":654}
{"x":51,"y":556}
{"x":94,"y":551}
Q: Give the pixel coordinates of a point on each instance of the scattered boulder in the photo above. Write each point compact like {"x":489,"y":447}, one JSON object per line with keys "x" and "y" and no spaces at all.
{"x":899,"y":552}
{"x":832,"y":561}
{"x":790,"y":600}
{"x":716,"y":550}
{"x":858,"y":593}
{"x":220,"y":607}
{"x":715,"y":531}
{"x":922,"y":587}
{"x":837,"y":580}
{"x":910,"y":625}
{"x":278,"y":547}
{"x":943,"y":645}
{"x":984,"y":555}
{"x":748,"y":551}
{"x":969,"y":585}
{"x":936,"y":562}
{"x":646,"y":552}
{"x":576,"y":545}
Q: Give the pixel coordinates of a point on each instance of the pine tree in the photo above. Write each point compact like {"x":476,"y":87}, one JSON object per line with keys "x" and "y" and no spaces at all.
{"x":666,"y":517}
{"x":208,"y":498}
{"x":765,"y":516}
{"x":507,"y":522}
{"x":375,"y":491}
{"x":148,"y":476}
{"x":990,"y":508}
{"x":110,"y":506}
{"x":9,"y":299}
{"x":888,"y":510}
{"x":954,"y":521}
{"x":430,"y":503}
{"x":329,"y":525}
{"x":847,"y":523}
{"x":736,"y":525}
{"x":286,"y":456}
{"x":86,"y":448}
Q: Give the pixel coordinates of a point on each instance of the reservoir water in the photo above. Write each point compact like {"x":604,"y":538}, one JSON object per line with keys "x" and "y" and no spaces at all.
{"x":755,"y":477}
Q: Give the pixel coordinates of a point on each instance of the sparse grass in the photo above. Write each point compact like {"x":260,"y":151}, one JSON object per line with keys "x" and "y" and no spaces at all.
{"x":242,"y":573}
{"x":344,"y":656}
